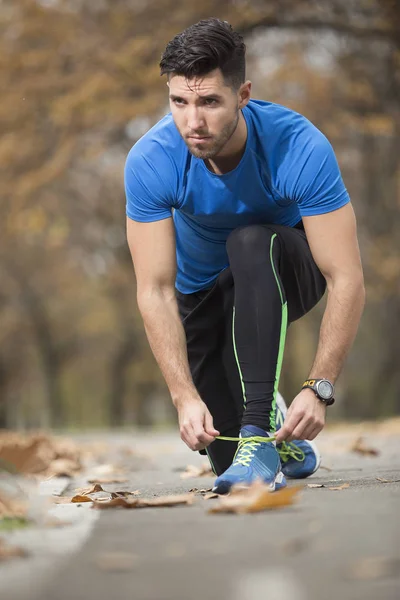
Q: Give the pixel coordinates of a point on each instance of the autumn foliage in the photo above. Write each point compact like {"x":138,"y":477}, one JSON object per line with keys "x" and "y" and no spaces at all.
{"x":80,"y":83}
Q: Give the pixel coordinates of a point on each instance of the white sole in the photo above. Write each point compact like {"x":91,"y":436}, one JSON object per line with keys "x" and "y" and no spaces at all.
{"x":277,"y":481}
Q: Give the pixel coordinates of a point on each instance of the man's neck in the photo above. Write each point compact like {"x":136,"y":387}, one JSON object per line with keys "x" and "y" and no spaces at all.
{"x":233,"y":151}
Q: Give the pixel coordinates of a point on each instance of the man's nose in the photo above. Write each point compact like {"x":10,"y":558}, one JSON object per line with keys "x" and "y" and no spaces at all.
{"x":196,"y":120}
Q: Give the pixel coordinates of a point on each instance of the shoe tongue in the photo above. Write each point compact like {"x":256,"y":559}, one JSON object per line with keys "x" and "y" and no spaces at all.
{"x":250,"y":430}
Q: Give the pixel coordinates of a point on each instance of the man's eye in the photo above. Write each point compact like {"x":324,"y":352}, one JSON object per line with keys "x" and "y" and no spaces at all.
{"x":178,"y":101}
{"x":210,"y":101}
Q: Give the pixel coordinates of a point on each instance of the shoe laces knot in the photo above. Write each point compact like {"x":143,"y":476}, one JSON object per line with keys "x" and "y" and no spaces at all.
{"x":289,"y":450}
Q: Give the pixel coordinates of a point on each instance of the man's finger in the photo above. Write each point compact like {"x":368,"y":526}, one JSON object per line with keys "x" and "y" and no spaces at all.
{"x":290,"y":423}
{"x":191,"y":438}
{"x":308,"y":431}
{"x":298,"y":432}
{"x":203,"y":437}
{"x":209,"y":425}
{"x":314,"y":433}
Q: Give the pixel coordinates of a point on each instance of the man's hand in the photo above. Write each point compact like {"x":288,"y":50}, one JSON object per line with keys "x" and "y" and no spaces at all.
{"x":304,"y":419}
{"x":196,"y":424}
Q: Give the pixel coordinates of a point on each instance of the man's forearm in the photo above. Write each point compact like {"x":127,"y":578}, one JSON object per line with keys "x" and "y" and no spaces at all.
{"x":338,"y":328}
{"x":168,"y":342}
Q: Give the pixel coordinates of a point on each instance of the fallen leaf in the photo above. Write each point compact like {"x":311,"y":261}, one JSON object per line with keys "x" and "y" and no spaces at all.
{"x":143,"y":502}
{"x":315,"y":485}
{"x":255,"y":498}
{"x":80,"y":499}
{"x":340,"y":487}
{"x":61,"y":499}
{"x":192,"y":471}
{"x":116,"y":561}
{"x":125,"y":494}
{"x":62,"y":467}
{"x":373,"y":567}
{"x":95,"y":488}
{"x":39,"y":454}
{"x":210,"y":496}
{"x":202,"y":491}
{"x":7,"y":552}
{"x":359,"y":447}
{"x":325,"y":468}
{"x":387,"y":480}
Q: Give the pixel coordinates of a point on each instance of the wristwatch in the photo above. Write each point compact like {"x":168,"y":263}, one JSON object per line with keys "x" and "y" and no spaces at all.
{"x":323,"y":389}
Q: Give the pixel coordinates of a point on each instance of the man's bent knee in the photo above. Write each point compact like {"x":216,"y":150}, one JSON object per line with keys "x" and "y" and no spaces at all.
{"x":251,"y":241}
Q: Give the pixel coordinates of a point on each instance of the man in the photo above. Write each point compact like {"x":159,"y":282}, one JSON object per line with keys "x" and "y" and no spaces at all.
{"x":237,"y":221}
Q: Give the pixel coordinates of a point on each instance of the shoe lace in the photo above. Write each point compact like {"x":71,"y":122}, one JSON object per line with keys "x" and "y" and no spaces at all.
{"x":287,"y":450}
{"x":246,"y":447}
{"x":245,"y":453}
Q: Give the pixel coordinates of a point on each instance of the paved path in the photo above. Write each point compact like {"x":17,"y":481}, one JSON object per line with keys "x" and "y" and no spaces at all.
{"x":331,"y":545}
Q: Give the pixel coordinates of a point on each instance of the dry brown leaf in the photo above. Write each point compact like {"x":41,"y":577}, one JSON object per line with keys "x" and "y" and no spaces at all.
{"x":39,"y":454}
{"x":359,"y":447}
{"x":387,"y":480}
{"x":202,"y":491}
{"x":92,"y":490}
{"x":115,"y":502}
{"x":344,"y":486}
{"x":79,"y":499}
{"x":124,"y":494}
{"x":255,"y":498}
{"x":325,"y":468}
{"x":192,"y":471}
{"x":7,"y":552}
{"x":315,"y":485}
{"x":62,"y":467}
{"x":210,"y":496}
{"x":168,"y":500}
{"x":143,"y":502}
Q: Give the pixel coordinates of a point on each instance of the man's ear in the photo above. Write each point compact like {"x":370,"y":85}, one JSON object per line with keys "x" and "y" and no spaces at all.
{"x":244,"y":94}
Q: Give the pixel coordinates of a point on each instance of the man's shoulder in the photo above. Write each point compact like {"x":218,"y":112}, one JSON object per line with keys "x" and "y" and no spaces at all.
{"x":279,"y":123}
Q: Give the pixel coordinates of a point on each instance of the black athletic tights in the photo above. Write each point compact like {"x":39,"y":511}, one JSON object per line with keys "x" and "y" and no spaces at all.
{"x":236,"y":330}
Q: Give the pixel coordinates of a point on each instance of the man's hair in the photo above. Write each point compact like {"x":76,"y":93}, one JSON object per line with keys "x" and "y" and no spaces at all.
{"x":209,"y":44}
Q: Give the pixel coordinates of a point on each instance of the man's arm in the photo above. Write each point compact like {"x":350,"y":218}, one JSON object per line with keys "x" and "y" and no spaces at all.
{"x":152,"y":247}
{"x":334,"y":246}
{"x":333,"y":242}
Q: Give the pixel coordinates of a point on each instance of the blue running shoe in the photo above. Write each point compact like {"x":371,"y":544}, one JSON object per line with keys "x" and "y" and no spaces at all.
{"x":254,"y":459}
{"x":299,"y":458}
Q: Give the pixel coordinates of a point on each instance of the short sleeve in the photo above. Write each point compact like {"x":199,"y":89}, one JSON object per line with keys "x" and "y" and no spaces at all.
{"x":312,"y":176}
{"x":148,"y":190}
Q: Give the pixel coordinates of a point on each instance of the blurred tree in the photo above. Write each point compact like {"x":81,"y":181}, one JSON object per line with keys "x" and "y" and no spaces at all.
{"x":81,"y":85}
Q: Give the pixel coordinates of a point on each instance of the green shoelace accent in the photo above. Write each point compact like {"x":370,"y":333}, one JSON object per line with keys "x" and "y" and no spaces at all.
{"x":286,"y":450}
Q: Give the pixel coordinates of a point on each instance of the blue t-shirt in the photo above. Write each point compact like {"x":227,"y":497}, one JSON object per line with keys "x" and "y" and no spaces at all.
{"x":288,"y":170}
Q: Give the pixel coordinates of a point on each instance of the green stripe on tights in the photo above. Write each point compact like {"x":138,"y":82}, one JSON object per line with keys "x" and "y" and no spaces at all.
{"x":282,"y":339}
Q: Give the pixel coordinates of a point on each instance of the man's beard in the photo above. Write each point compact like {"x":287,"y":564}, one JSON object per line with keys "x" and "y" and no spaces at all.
{"x":215,"y":144}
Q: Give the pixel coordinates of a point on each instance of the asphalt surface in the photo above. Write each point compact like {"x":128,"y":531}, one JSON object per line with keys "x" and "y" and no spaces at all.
{"x":331,"y":544}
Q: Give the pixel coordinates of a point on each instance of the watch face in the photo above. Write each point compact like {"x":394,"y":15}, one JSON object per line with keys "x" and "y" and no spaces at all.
{"x":325,"y":389}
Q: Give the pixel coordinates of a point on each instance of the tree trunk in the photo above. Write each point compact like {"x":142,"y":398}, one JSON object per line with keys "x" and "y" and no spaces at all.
{"x":123,"y":358}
